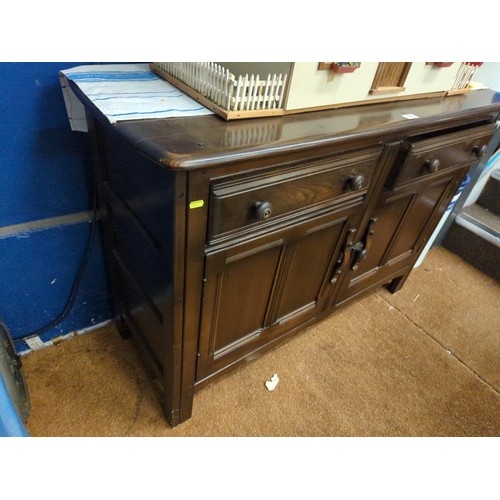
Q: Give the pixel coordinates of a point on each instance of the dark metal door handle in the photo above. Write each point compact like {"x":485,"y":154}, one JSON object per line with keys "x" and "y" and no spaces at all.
{"x":363,"y":247}
{"x":343,"y":256}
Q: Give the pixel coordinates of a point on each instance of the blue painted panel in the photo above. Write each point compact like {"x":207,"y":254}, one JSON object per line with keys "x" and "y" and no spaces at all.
{"x":11,"y":424}
{"x":43,"y":170}
{"x":37,"y":270}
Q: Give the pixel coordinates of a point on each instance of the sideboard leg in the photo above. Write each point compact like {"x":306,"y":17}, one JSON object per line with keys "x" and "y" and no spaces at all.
{"x":397,"y":283}
{"x":171,"y":413}
{"x":177,"y":412}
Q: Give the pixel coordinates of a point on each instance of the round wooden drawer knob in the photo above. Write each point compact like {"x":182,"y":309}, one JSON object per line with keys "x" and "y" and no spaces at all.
{"x":356,"y":182}
{"x":479,"y":150}
{"x":432,"y":165}
{"x":264,"y":210}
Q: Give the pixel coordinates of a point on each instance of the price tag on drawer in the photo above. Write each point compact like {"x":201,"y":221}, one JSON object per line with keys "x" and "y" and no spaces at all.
{"x":196,"y":204}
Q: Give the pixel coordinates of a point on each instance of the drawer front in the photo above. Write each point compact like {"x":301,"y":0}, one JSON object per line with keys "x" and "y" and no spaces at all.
{"x":257,"y":201}
{"x":429,"y":156}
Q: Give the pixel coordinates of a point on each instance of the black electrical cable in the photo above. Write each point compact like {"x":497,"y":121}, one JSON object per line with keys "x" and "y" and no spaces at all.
{"x":76,"y":282}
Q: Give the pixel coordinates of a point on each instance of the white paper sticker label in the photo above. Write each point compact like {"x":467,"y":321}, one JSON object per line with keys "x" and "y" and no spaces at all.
{"x":35,"y":343}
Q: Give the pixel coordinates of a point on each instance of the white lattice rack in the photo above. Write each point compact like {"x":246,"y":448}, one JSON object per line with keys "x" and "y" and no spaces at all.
{"x":229,"y":96}
{"x":463,"y":78}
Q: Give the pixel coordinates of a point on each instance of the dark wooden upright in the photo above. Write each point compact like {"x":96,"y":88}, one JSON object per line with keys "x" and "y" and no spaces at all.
{"x":222,"y":239}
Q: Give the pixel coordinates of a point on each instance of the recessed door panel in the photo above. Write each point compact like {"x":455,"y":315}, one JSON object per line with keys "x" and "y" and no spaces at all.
{"x":421,"y":209}
{"x":310,"y":259}
{"x":242,"y":294}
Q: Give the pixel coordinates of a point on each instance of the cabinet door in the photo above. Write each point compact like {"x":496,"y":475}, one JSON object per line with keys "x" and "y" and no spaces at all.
{"x":401,"y":223}
{"x":257,"y":291}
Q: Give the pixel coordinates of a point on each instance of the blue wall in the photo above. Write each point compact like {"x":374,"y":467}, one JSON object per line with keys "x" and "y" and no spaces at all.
{"x":44,"y":174}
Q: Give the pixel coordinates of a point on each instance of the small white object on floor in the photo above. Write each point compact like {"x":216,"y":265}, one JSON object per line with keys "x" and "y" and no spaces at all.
{"x":271,"y":384}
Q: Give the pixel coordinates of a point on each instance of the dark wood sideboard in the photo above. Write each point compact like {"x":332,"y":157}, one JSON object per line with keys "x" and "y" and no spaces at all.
{"x":222,"y":239}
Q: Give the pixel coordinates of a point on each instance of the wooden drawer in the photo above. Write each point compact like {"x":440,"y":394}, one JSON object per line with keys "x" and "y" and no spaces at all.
{"x":256,"y":201}
{"x":421,"y":158}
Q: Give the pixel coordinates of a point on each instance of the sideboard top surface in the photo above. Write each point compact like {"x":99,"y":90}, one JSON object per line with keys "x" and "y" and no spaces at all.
{"x":199,"y":142}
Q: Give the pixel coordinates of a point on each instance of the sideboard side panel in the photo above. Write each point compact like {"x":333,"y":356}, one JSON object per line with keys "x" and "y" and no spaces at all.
{"x":142,"y":205}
